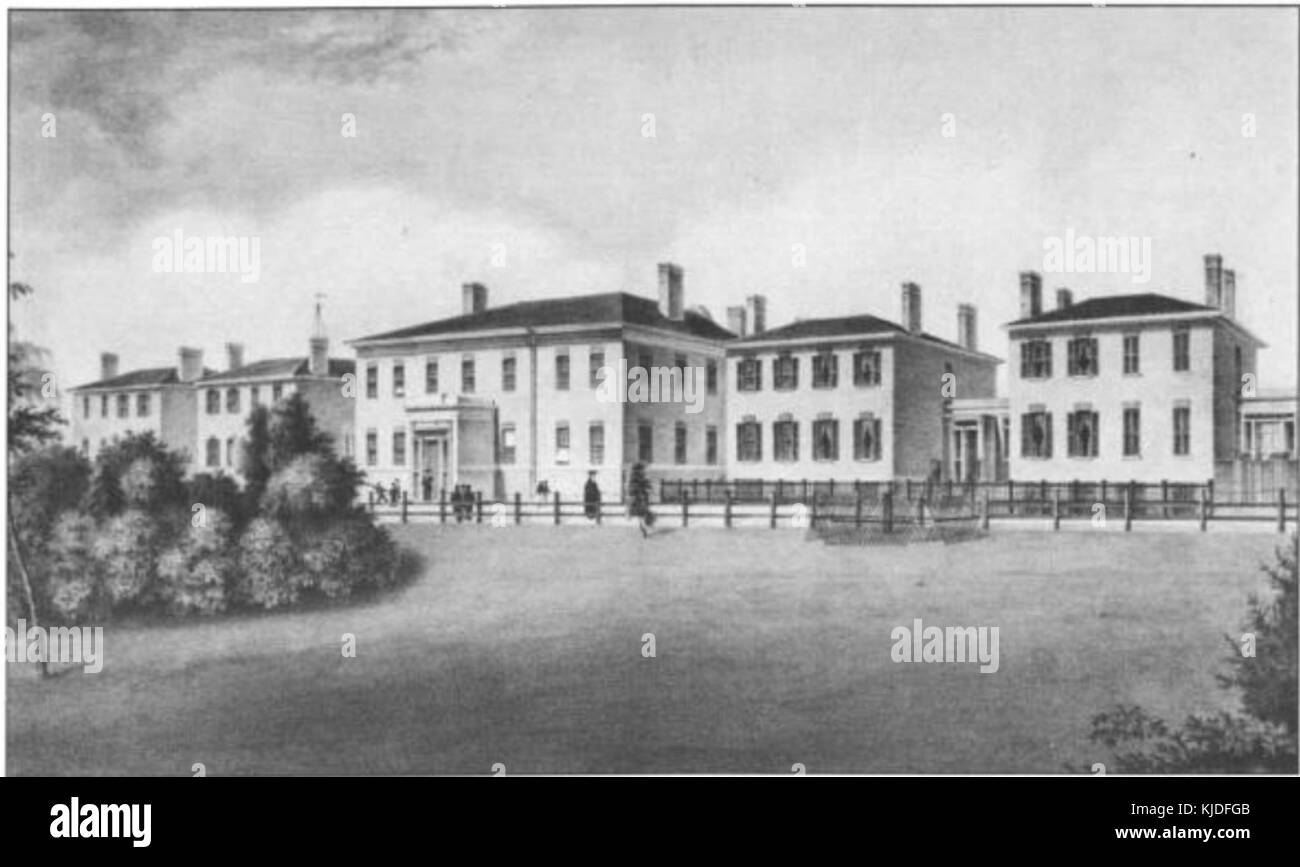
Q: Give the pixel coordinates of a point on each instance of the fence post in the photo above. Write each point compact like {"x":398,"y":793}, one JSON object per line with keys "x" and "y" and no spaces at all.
{"x":805,"y":491}
{"x":403,"y":507}
{"x":920,"y":512}
{"x":557,"y":503}
{"x":442,"y":505}
{"x":371,"y":500}
{"x":1210,"y":484}
{"x":1128,"y":509}
{"x":812,"y":511}
{"x":478,"y":507}
{"x":726,"y":515}
{"x":1205,"y":508}
{"x":519,"y":508}
{"x":780,"y":489}
{"x":984,"y":521}
{"x":887,"y":508}
{"x":909,"y":490}
{"x":832,"y":491}
{"x":1056,"y":508}
{"x":1164,"y":498}
{"x":1281,"y":510}
{"x":1011,"y":497}
{"x":773,"y":519}
{"x":1103,"y":492}
{"x":686,"y":509}
{"x":857,"y":510}
{"x":950,"y":487}
{"x":661,"y":490}
{"x":708,"y":490}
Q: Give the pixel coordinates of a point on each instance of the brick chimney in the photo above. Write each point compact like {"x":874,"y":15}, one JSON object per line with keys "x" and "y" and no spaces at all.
{"x":1229,"y":296}
{"x":736,"y":320}
{"x":966,"y":326}
{"x":1064,"y":298}
{"x":1213,"y":280}
{"x":107,"y":365}
{"x":757,"y":313}
{"x":670,"y":290}
{"x":234,"y":356}
{"x":473,"y":298}
{"x":912,"y":307}
{"x":190,"y":367}
{"x":318,"y":346}
{"x":1031,"y":294}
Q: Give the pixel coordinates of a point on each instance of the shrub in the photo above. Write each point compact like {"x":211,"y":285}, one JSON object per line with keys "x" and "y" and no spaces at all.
{"x":194,"y":575}
{"x":71,"y":580}
{"x":311,"y":487}
{"x":270,"y":574}
{"x":126,"y":549}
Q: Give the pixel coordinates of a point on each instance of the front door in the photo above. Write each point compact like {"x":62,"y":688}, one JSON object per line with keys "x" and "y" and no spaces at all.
{"x":433,"y":467}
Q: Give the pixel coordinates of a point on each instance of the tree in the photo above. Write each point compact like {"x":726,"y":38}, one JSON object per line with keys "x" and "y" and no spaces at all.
{"x":293,"y":433}
{"x":254,"y":461}
{"x":151,"y":476}
{"x":104,"y":499}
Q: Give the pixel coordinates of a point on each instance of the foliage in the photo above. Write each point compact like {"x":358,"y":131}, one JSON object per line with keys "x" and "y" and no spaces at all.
{"x":73,"y":585}
{"x":219,"y":492}
{"x":126,"y":549}
{"x":639,"y":490}
{"x":151,"y":475}
{"x":254,"y":460}
{"x":194,"y":575}
{"x":293,"y":433}
{"x":311,"y":487}
{"x":270,"y":575}
{"x":104,"y":498}
{"x":42,"y":485}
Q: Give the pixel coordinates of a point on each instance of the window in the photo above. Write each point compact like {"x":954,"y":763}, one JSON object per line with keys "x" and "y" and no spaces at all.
{"x":85,"y":406}
{"x":431,"y":377}
{"x":785,"y":440}
{"x":749,"y":375}
{"x":399,"y":379}
{"x":711,"y":445}
{"x":509,"y":368}
{"x":866,"y":367}
{"x":230,"y":451}
{"x":645,"y":443}
{"x":103,"y":406}
{"x":826,"y":370}
{"x":467,"y":374}
{"x":1081,"y":433}
{"x":372,"y":448}
{"x":212,"y":401}
{"x":232,"y":400}
{"x":866,"y":438}
{"x":826,"y":439}
{"x":372,"y":381}
{"x":1132,"y":432}
{"x":213,"y":449}
{"x":679,"y":443}
{"x":1131,"y":359}
{"x":507,"y":444}
{"x":1182,"y":360}
{"x":562,"y":442}
{"x":1035,"y":359}
{"x":399,"y":448}
{"x":1182,"y":430}
{"x":142,"y":404}
{"x":711,"y":376}
{"x":1081,"y":356}
{"x":254,"y":396}
{"x":123,"y":406}
{"x":277,"y":391}
{"x":562,"y":371}
{"x":595,"y":361}
{"x":785,"y":373}
{"x":1036,"y":435}
{"x":749,"y":441}
{"x":596,"y":443}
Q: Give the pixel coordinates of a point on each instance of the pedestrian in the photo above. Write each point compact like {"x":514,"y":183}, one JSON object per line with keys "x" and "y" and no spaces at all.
{"x":428,"y":485}
{"x":591,"y":497}
{"x":395,"y":492}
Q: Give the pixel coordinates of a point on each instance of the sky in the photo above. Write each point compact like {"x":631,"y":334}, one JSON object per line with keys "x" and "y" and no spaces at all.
{"x":819,"y":156}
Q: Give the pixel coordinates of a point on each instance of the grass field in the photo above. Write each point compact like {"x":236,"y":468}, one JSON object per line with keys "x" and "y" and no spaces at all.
{"x":522,"y":646}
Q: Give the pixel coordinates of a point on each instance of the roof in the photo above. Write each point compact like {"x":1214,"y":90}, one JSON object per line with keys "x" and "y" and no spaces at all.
{"x":143,"y":377}
{"x":279,"y":368}
{"x":1114,"y":306}
{"x":618,"y":307}
{"x":841,"y":326}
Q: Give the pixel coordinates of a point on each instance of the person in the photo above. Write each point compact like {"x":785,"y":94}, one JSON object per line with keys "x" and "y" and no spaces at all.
{"x":591,"y":497}
{"x":395,"y":492}
{"x":428,"y":485}
{"x":380,"y":497}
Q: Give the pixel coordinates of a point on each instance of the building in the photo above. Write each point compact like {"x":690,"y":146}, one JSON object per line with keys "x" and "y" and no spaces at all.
{"x":854,"y":398}
{"x":1145,"y":387}
{"x":504,"y":399}
{"x":226,"y":398}
{"x":158,"y":399}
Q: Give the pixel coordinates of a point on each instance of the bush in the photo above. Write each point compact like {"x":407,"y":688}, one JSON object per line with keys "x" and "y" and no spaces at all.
{"x":311,"y":487}
{"x":194,"y":575}
{"x":270,"y":574}
{"x":219,"y":492}
{"x":127,"y":549}
{"x":348,"y":555}
{"x":73,"y":586}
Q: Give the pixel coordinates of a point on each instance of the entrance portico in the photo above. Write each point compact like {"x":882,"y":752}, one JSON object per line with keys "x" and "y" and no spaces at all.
{"x":453,"y":442}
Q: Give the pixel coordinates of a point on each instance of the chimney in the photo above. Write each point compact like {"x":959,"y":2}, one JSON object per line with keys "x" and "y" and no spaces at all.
{"x":318,"y":347}
{"x":1213,"y":279}
{"x":1229,"y":293}
{"x":1064,"y":298}
{"x":473,"y":298}
{"x":234,"y":355}
{"x":107,"y":365}
{"x":736,"y":320}
{"x":966,"y":326}
{"x":757,"y":313}
{"x":191,"y":364}
{"x":1031,"y":294}
{"x":670,"y":290}
{"x":912,"y":307}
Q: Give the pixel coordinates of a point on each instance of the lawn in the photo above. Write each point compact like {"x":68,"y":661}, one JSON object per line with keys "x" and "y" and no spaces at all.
{"x":523,"y":646}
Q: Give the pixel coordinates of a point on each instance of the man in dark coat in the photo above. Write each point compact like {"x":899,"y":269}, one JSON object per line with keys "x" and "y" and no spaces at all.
{"x":591,"y":497}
